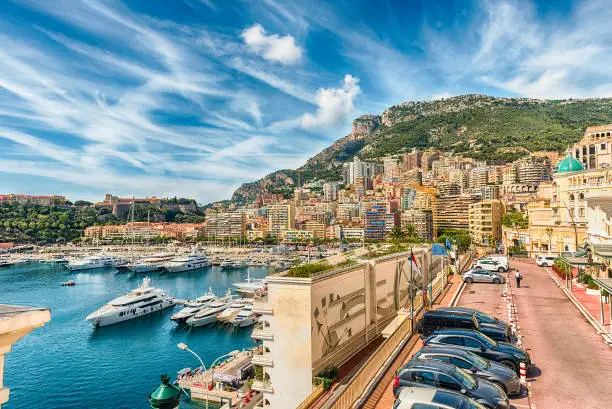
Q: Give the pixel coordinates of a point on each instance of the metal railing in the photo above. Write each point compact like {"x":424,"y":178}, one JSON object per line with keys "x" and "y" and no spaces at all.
{"x":317,"y":390}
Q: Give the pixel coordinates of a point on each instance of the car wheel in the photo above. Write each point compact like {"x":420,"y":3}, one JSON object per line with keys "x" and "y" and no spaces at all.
{"x":501,"y":269}
{"x":501,"y":385}
{"x":509,"y":364}
{"x":544,"y":265}
{"x":496,"y":281}
{"x":469,"y":280}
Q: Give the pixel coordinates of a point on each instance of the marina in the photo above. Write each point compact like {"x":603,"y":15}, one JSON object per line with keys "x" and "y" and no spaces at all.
{"x":108,"y":358}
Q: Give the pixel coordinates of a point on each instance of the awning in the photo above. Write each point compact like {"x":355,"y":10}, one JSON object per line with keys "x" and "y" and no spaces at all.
{"x":604,"y":284}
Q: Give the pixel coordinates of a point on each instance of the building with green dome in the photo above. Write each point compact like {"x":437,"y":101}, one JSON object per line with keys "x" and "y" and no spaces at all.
{"x":569,"y":164}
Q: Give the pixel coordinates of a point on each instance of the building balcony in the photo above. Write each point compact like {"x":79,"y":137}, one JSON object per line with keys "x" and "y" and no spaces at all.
{"x":262,"y":334}
{"x":263,"y":360}
{"x":262,"y":386}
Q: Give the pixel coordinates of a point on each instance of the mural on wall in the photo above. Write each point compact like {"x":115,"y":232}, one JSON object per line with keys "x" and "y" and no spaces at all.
{"x":339,"y":302}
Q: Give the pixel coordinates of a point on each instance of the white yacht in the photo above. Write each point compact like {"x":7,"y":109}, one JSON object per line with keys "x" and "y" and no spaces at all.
{"x":193,"y":307}
{"x":187,"y":263}
{"x":94,"y":262}
{"x":152,"y":263}
{"x":142,"y":301}
{"x":208,"y":315}
{"x":232,"y":310}
{"x":245,"y":318}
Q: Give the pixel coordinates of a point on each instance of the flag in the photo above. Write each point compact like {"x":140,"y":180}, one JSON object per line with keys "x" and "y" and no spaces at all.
{"x":437,"y":250}
{"x":413,"y":263}
{"x":448,"y":244}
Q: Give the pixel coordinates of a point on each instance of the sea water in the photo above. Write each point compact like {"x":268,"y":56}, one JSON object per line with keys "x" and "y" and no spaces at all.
{"x":68,"y":364}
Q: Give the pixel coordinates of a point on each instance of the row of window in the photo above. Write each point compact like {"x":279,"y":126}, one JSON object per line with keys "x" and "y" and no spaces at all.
{"x":591,"y":150}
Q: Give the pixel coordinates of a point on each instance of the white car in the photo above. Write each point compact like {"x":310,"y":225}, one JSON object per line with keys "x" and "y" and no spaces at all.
{"x":545,"y":261}
{"x":490,"y":264}
{"x":431,"y":398}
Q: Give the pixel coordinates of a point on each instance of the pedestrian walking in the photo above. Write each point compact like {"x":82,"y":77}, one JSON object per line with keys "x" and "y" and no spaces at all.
{"x":518,"y":278}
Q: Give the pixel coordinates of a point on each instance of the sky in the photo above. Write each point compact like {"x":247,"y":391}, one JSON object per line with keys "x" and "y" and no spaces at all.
{"x":194,"y":97}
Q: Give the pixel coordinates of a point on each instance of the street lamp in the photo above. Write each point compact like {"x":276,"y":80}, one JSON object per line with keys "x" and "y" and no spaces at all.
{"x":184,"y":347}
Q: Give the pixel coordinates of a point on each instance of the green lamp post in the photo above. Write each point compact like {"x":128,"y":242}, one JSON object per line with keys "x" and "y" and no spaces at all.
{"x":166,"y":396}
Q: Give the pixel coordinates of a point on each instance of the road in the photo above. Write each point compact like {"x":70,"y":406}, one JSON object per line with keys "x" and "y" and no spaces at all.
{"x":573,"y":366}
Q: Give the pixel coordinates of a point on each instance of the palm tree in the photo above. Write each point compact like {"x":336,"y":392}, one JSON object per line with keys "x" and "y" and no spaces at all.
{"x":410,"y":230}
{"x":397,"y":233}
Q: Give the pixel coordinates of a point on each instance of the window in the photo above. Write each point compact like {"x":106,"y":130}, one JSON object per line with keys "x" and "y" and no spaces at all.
{"x":445,"y":381}
{"x":461,"y":363}
{"x":426,"y":378}
{"x":472,"y":343}
{"x":441,"y":358}
{"x":452,"y":340}
{"x":603,"y":146}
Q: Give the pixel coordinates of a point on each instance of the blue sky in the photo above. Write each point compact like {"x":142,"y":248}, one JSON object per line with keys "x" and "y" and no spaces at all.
{"x":193,"y":97}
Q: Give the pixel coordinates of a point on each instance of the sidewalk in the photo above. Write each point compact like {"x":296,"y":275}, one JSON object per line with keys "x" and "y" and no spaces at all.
{"x":591,"y":304}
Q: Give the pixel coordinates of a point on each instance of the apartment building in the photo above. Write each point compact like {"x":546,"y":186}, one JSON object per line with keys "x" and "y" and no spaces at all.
{"x":454,"y":211}
{"x":281,"y":217}
{"x":330,"y":191}
{"x":422,"y":221}
{"x":478,"y":177}
{"x":532,"y":170}
{"x":485,"y":219}
{"x":226,"y":224}
{"x":39,"y":200}
{"x":594,"y":151}
{"x":351,"y":171}
{"x":374,"y":220}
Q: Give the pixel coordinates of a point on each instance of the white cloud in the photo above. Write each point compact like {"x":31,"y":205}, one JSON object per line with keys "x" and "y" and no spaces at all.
{"x":334,"y":104}
{"x":272,"y":47}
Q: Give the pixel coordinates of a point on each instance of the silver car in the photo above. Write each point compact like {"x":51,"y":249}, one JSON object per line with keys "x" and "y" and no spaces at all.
{"x":478,"y":275}
{"x":417,"y":397}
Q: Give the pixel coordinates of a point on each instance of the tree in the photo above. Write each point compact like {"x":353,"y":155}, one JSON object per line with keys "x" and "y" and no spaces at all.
{"x":397,"y":233}
{"x":410,"y":230}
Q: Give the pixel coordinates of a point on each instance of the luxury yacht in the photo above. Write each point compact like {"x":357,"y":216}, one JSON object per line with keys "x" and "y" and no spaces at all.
{"x":94,"y":262}
{"x":142,"y":301}
{"x":245,"y":318}
{"x":5,"y":262}
{"x":193,"y":307}
{"x":232,"y":310}
{"x":187,"y":263}
{"x":208,"y":315}
{"x":152,"y":263}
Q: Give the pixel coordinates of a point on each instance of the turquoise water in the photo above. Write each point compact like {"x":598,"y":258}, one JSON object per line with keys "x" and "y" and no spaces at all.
{"x":67,"y":364}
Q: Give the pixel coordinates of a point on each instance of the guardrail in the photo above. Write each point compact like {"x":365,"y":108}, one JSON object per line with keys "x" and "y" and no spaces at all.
{"x":314,"y":395}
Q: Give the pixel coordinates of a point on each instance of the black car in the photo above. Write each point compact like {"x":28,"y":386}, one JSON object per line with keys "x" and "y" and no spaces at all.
{"x":480,"y":316}
{"x":478,"y":343}
{"x":436,"y":374}
{"x":479,"y":366}
{"x":438,"y":319}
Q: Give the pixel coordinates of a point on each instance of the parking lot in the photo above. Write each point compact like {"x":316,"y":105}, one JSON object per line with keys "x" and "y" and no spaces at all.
{"x":572,"y":367}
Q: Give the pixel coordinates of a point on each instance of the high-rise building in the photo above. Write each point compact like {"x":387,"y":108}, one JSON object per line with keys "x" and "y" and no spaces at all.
{"x":225,"y":224}
{"x":427,"y":159}
{"x":448,"y":189}
{"x":358,"y":169}
{"x":422,"y":221}
{"x":374,"y":219}
{"x":410,"y":178}
{"x":485,"y":222}
{"x":392,"y":168}
{"x":330,"y":191}
{"x":281,"y":217}
{"x":509,"y":176}
{"x":412,"y":160}
{"x":532,"y":170}
{"x":458,"y":177}
{"x":489,"y":192}
{"x":453,"y":212}
{"x":478,"y":177}
{"x":407,"y":200}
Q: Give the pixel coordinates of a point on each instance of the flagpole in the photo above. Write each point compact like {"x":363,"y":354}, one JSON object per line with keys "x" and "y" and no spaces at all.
{"x":411,"y":290}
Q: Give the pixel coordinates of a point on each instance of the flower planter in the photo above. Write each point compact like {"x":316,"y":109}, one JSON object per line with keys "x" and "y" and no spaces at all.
{"x":592,"y":292}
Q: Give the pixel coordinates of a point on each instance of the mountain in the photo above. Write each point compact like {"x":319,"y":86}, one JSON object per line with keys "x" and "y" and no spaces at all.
{"x":477,"y":126}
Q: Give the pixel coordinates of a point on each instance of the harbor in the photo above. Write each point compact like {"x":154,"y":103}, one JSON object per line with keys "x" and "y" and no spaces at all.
{"x":123,"y":359}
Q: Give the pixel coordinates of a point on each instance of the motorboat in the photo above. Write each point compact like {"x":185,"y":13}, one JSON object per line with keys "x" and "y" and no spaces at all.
{"x":208,"y":315}
{"x":139,"y":302}
{"x":5,"y":262}
{"x":192,"y":307}
{"x":187,"y":263}
{"x":149,"y":264}
{"x":251,"y":286}
{"x":94,"y":262}
{"x":231,"y":311}
{"x":245,"y":318}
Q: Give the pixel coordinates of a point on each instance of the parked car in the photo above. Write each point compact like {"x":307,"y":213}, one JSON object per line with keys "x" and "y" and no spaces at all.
{"x":480,"y":344}
{"x":436,"y":374}
{"x":491,"y":265}
{"x":480,"y":367}
{"x":545,"y":261}
{"x":419,"y":398}
{"x":480,"y":275}
{"x":480,"y":316}
{"x":438,"y":319}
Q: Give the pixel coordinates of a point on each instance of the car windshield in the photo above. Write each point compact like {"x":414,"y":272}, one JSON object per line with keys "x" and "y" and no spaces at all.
{"x":477,"y":361}
{"x":467,"y":381}
{"x":487,"y":341}
{"x":448,"y":399}
{"x":472,"y":404}
{"x":482,"y":317}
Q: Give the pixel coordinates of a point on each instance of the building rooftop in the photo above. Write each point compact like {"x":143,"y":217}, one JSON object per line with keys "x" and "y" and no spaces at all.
{"x":15,"y":318}
{"x":569,"y":164}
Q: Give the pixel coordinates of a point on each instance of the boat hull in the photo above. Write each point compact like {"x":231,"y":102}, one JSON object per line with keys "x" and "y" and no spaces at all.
{"x":200,"y":322}
{"x":140,"y":269}
{"x":114,"y":317}
{"x":186,"y":267}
